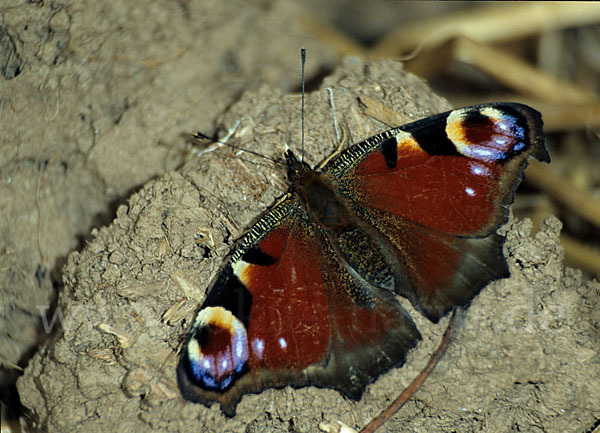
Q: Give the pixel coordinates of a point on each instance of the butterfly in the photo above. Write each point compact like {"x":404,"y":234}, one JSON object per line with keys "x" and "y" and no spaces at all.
{"x":308,"y":296}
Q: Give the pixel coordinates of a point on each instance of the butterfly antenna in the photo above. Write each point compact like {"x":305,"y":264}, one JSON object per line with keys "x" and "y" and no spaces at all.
{"x":241,"y":149}
{"x":303,"y":56}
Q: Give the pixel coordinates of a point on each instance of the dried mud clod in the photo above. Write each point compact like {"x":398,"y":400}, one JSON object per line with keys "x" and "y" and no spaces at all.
{"x":131,"y":293}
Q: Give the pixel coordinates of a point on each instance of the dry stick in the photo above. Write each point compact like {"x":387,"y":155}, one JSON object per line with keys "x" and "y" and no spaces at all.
{"x":485,"y":24}
{"x":520,"y":75}
{"x":341,"y":42}
{"x":565,"y":117}
{"x":577,"y":200}
{"x":380,"y":112}
{"x":488,"y":24}
{"x":557,"y":116}
{"x":581,"y":255}
{"x":416,"y":383}
{"x":515,"y":73}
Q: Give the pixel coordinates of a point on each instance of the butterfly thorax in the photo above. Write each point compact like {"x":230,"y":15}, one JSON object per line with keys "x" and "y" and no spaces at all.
{"x":318,"y":195}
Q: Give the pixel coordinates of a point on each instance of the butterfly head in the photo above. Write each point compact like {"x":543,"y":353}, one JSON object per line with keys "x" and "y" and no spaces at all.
{"x":295,"y":167}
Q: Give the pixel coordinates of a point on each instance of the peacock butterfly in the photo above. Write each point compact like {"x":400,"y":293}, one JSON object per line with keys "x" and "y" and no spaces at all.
{"x":307,"y":297}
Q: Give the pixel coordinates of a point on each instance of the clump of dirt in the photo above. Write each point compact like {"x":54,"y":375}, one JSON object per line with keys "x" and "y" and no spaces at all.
{"x":99,"y":98}
{"x":524,"y":358}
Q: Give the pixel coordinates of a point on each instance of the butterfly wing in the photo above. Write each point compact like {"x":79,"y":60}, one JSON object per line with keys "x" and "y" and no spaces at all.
{"x":436,"y":190}
{"x":306,"y":298}
{"x":285,"y":311}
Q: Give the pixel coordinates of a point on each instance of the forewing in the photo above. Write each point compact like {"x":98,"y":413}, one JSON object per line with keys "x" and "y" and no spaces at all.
{"x":455,"y":172}
{"x":435,"y":191}
{"x":284,"y":311}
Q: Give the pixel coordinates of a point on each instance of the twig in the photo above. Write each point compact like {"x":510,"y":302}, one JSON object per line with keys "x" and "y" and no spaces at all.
{"x":578,"y":201}
{"x":489,"y":24}
{"x":416,"y":383}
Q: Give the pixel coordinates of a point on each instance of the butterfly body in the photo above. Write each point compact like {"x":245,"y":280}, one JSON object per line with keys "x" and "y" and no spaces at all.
{"x":307,"y":296}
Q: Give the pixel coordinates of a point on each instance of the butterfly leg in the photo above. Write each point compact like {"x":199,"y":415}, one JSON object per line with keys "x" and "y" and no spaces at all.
{"x":341,"y":141}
